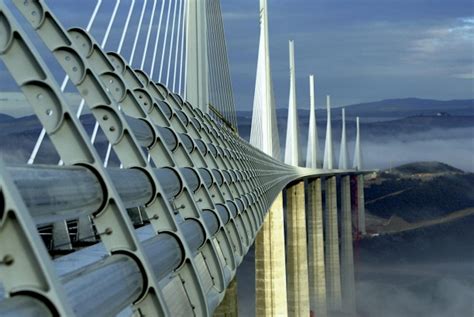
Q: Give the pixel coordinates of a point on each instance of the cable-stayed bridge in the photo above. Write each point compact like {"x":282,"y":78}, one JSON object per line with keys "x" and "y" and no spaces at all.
{"x":157,"y":222}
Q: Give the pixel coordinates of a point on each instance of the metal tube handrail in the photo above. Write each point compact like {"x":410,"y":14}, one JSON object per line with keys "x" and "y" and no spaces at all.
{"x":23,"y":306}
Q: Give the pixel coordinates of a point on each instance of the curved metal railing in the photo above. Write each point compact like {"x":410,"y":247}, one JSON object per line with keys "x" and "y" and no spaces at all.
{"x":204,"y":190}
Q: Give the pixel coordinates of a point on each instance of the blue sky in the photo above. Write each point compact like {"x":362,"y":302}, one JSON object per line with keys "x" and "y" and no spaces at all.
{"x":362,"y":50}
{"x":359,"y":51}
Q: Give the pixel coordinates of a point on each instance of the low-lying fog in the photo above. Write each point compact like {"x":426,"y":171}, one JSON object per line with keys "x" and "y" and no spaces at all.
{"x":451,"y":146}
{"x":416,"y":290}
{"x":411,"y":290}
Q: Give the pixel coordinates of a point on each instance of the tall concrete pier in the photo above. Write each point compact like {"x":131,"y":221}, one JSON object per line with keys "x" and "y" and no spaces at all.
{"x":297,"y":255}
{"x":316,"y":266}
{"x":360,"y":180}
{"x":270,"y":267}
{"x":361,"y":204}
{"x":229,"y":305}
{"x":331,"y":248}
{"x":333,"y":273}
{"x":347,"y":253}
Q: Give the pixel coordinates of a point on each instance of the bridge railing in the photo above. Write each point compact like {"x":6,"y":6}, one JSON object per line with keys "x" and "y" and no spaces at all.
{"x":204,"y":190}
{"x":205,"y":195}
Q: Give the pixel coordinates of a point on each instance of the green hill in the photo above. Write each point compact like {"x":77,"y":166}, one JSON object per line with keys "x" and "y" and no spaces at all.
{"x":425,"y":168}
{"x":420,"y":191}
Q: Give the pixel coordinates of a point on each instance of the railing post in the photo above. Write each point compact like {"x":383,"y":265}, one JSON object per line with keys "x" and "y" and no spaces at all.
{"x":26,"y":269}
{"x":60,"y":236}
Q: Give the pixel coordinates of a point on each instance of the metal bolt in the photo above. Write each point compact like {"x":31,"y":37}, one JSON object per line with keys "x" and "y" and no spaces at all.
{"x":7,"y":260}
{"x":108,"y":232}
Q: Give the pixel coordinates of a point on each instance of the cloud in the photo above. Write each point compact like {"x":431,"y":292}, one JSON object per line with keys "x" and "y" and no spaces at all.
{"x":464,"y":76}
{"x":359,"y":51}
{"x":451,"y":146}
{"x":419,"y":290}
{"x":447,"y":46}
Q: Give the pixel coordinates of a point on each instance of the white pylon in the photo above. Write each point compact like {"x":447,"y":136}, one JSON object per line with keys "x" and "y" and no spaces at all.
{"x":197,"y":68}
{"x":264,"y":130}
{"x":357,"y":151}
{"x":343,"y":154}
{"x":328,"y":151}
{"x":292,"y":139}
{"x":312,"y":149}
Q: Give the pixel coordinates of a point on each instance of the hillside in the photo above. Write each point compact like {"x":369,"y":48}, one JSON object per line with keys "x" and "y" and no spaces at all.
{"x":420,"y":191}
{"x":425,"y":168}
{"x":418,"y":259}
{"x":450,"y":240}
{"x":413,"y":218}
{"x":396,"y":224}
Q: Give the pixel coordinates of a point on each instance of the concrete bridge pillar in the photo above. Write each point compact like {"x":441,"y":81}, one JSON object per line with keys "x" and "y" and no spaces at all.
{"x":297,"y":260}
{"x":270,"y":267}
{"x":333,"y":269}
{"x":316,"y":267}
{"x":229,"y":305}
{"x":361,"y":203}
{"x":347,"y":253}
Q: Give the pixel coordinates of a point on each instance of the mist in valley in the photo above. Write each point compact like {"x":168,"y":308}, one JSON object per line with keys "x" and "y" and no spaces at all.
{"x":454,"y":147}
{"x":418,"y":290}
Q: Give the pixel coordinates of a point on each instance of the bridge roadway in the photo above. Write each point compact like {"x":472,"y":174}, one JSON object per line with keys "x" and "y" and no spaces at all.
{"x":205,"y":190}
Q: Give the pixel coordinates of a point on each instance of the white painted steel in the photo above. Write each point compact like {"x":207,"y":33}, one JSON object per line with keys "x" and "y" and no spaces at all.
{"x":312,"y":153}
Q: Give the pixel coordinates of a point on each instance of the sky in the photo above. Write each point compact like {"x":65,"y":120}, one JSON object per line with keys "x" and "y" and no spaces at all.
{"x":359,"y":51}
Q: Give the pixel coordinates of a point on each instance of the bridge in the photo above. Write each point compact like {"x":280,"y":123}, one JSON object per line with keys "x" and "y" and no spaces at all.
{"x":157,"y":222}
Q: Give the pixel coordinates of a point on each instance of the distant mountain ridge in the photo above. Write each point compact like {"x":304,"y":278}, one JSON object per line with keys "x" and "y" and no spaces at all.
{"x":410,"y":104}
{"x":385,"y":117}
{"x":395,"y":108}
